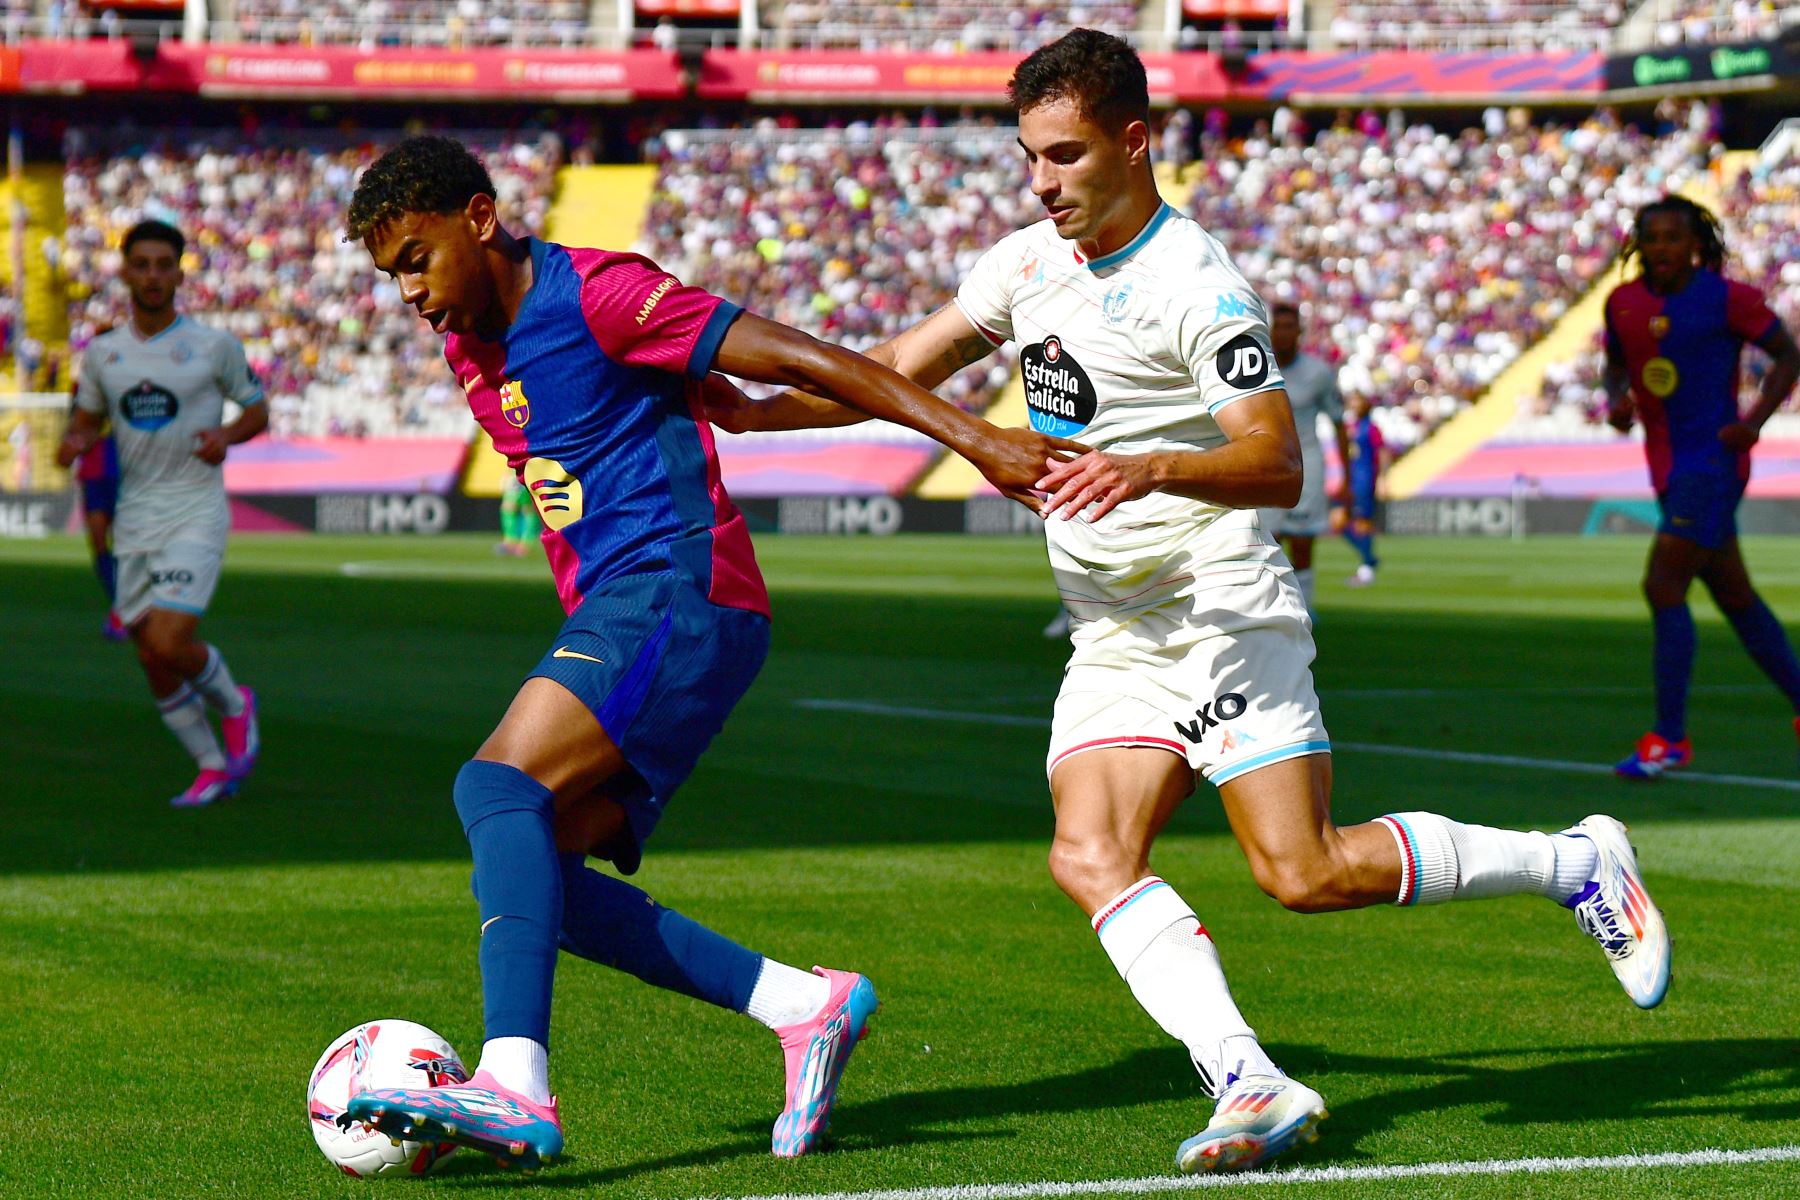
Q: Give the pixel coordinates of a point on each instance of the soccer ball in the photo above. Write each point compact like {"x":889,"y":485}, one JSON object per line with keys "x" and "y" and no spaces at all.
{"x":380,"y":1054}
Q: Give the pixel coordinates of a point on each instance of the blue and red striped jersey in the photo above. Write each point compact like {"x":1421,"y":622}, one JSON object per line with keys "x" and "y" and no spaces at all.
{"x":1682,"y":353}
{"x":593,"y":396}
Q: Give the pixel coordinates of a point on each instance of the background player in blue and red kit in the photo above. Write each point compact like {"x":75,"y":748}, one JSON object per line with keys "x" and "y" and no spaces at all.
{"x":1368,"y":459}
{"x":98,"y":473}
{"x":586,"y":367}
{"x":1674,"y":338}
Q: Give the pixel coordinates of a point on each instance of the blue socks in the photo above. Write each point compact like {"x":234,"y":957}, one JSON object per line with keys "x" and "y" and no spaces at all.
{"x":107,"y":568}
{"x":508,"y":816}
{"x":1673,"y":661}
{"x":608,"y":921}
{"x":1768,"y":645}
{"x":1364,"y":544}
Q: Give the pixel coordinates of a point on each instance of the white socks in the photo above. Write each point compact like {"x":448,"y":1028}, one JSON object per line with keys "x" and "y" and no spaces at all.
{"x":215,"y":683}
{"x":185,"y":716}
{"x":520,"y":1065}
{"x":1446,"y":860}
{"x":786,"y":995}
{"x":1164,"y":954}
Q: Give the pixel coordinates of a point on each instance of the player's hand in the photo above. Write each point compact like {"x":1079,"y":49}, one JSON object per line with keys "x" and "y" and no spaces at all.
{"x":1013,"y":461}
{"x":1739,"y":436}
{"x":73,"y":446}
{"x":726,"y":405}
{"x":1102,"y":480}
{"x":210,"y":446}
{"x":1620,"y":412}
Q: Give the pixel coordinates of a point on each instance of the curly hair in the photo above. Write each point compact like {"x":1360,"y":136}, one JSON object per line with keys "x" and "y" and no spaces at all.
{"x":426,"y":174}
{"x":153,"y":231}
{"x":1102,"y":74}
{"x":1699,"y":218}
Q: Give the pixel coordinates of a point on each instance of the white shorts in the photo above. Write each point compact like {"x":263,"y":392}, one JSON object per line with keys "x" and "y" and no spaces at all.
{"x":1309,"y":518}
{"x":180,"y":576}
{"x":1222,"y":678}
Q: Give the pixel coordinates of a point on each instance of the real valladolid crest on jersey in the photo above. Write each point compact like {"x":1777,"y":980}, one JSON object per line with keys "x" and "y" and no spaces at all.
{"x":1058,"y":392}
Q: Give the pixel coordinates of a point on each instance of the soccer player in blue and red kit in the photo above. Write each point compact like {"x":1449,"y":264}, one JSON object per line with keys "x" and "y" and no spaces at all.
{"x":1367,"y":460}
{"x":98,"y":472}
{"x":587,"y":369}
{"x":1674,"y":337}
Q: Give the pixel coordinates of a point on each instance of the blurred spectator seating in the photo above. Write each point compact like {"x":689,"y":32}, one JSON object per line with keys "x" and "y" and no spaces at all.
{"x":338,"y":352}
{"x":455,"y":24}
{"x":852,"y":234}
{"x":1424,"y":263}
{"x":941,"y":26}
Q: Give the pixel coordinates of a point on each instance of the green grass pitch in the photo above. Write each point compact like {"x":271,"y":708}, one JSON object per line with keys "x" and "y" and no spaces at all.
{"x":167,"y":978}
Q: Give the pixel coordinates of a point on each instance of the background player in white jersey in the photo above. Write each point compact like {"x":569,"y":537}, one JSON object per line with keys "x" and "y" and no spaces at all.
{"x":1312,"y":391}
{"x":163,"y":381}
{"x":1192,"y":649}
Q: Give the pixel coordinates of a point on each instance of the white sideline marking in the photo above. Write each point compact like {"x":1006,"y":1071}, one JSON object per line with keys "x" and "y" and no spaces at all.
{"x":1436,"y":1170}
{"x":1463,"y":756}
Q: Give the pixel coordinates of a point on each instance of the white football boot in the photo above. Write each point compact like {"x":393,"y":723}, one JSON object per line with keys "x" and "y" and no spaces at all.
{"x":1615,"y":910}
{"x":1257,"y":1117}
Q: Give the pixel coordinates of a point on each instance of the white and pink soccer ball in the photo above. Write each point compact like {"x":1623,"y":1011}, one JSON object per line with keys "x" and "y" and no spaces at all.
{"x":379,"y":1054}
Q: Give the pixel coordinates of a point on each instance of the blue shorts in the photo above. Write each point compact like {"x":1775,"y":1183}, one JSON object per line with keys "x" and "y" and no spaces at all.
{"x":100,"y":495}
{"x":1700,"y":507}
{"x":660,"y":666}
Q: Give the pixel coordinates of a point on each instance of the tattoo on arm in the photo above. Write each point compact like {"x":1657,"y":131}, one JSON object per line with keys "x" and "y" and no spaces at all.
{"x":965,"y":352}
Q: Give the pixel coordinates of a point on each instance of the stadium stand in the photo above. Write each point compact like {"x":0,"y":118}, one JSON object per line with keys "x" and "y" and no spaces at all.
{"x":1761,"y":211}
{"x":851,"y":234}
{"x":454,"y":24}
{"x":1474,"y":24}
{"x":945,"y":27}
{"x":1700,"y":21}
{"x":337,"y":351}
{"x":1426,"y":262}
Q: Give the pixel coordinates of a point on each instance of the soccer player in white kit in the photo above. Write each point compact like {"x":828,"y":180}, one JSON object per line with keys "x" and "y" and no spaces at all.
{"x":163,"y":380}
{"x":1192,"y":648}
{"x":1312,"y":392}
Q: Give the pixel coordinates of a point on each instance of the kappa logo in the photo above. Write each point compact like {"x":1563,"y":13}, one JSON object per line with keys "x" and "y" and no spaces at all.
{"x":1228,"y":707}
{"x":1231,"y":305}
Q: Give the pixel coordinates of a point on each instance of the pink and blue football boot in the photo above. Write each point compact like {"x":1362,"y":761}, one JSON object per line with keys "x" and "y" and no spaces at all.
{"x":479,"y":1114}
{"x":1654,"y":755}
{"x":816,"y":1051}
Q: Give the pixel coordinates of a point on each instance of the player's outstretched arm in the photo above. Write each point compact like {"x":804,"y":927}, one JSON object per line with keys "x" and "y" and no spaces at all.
{"x":769,"y":352}
{"x":928,"y":353}
{"x":1259,"y":467}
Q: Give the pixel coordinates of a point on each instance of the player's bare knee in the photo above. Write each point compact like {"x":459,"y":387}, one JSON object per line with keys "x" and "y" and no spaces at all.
{"x":1303,"y":885}
{"x":1090,"y":871}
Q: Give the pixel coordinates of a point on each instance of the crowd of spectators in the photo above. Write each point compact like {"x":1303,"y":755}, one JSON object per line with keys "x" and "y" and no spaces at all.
{"x":1701,"y":21}
{"x":1425,"y":263}
{"x":852,"y":234}
{"x":943,"y":26}
{"x":1474,"y":24}
{"x":1761,"y":214}
{"x":337,"y":351}
{"x":455,"y":24}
